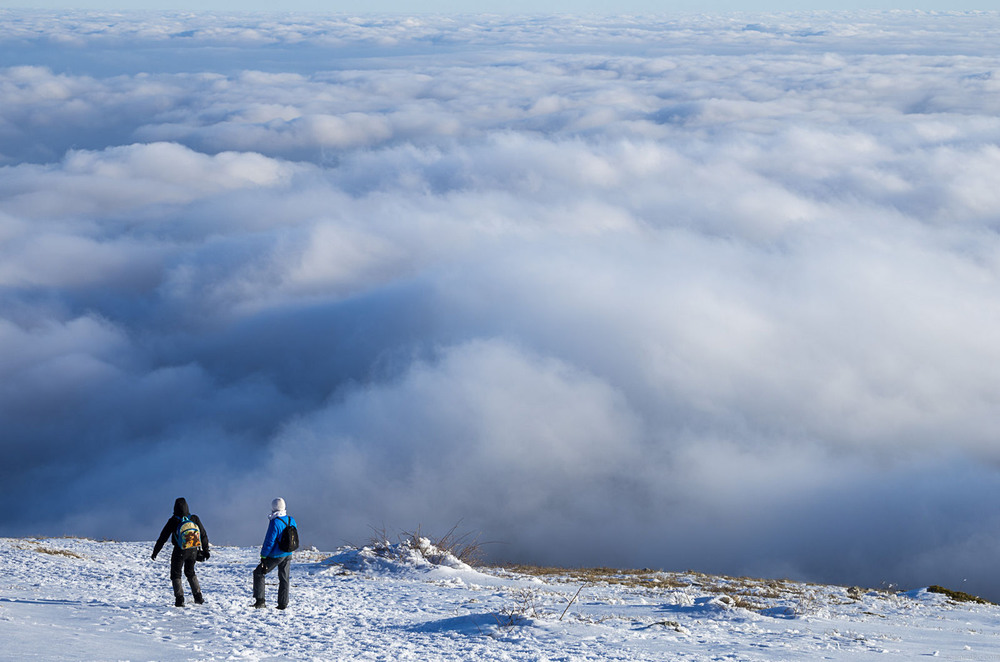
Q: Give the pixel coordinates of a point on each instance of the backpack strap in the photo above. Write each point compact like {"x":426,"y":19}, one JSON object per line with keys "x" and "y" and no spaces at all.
{"x":180,"y":520}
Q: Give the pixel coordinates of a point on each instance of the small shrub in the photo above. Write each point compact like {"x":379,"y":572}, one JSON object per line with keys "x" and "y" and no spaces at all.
{"x":526,"y":606}
{"x":464,"y":547}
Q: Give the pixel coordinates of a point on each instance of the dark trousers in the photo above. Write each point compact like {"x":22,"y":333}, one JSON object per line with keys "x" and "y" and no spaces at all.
{"x":183,"y":562}
{"x":284,"y":566}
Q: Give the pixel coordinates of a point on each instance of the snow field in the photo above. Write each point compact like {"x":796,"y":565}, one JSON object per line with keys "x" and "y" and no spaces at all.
{"x":75,"y":599}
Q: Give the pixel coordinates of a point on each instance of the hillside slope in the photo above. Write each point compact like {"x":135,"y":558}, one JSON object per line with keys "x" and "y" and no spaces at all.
{"x":72,"y":599}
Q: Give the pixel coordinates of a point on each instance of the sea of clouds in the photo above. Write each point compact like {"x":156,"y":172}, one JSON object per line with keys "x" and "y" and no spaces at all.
{"x":710,"y":292}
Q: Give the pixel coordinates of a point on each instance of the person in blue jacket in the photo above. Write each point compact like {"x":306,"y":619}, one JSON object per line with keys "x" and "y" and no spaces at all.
{"x":272,"y":557}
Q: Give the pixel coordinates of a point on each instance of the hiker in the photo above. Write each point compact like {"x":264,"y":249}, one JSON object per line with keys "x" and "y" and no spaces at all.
{"x":276,"y":552}
{"x":190,"y":544}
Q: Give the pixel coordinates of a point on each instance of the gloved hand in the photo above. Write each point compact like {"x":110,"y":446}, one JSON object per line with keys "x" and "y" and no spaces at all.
{"x":152,"y":556}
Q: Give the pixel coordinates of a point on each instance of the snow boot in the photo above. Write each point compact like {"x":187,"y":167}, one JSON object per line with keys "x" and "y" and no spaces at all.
{"x":259,"y":604}
{"x":198,"y":599}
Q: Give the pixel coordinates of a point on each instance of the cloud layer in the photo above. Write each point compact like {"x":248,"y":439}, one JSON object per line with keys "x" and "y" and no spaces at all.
{"x":704,"y":292}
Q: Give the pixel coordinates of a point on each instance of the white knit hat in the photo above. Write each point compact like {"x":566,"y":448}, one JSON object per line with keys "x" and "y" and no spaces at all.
{"x":277,"y":504}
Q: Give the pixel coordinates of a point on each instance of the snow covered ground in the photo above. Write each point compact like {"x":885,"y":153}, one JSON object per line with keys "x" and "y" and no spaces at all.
{"x":76,"y":599}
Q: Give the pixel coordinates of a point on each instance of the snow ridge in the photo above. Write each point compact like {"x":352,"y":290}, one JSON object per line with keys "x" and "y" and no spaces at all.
{"x":73,"y":599}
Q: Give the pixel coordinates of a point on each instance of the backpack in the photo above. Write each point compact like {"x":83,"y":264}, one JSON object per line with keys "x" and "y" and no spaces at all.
{"x":188,"y":535}
{"x":289,"y":540}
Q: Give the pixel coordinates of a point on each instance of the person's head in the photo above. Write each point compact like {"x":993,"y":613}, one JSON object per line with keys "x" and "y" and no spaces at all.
{"x":181,"y":507}
{"x":277,"y":504}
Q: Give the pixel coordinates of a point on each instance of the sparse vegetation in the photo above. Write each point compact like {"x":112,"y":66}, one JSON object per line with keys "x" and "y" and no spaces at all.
{"x":526,"y":605}
{"x":958,"y":596}
{"x":464,"y":547}
{"x":734,"y":592}
{"x":58,"y":552}
{"x":742,"y":602}
{"x":753,"y":594}
{"x":36,"y":546}
{"x":742,"y":592}
{"x":673,"y":625}
{"x":614,"y":576}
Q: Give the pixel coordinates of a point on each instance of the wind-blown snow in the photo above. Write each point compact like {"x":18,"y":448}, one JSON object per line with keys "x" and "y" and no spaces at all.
{"x":66,"y":599}
{"x":711,"y":292}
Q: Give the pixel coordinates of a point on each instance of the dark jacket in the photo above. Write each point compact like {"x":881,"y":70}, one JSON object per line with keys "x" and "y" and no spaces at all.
{"x":170,"y":528}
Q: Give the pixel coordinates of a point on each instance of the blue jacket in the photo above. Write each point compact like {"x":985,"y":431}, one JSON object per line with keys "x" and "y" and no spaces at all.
{"x":270,"y":547}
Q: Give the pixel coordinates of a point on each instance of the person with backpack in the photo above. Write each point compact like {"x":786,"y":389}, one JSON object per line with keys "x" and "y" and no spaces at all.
{"x":281,"y":539}
{"x":190,"y":541}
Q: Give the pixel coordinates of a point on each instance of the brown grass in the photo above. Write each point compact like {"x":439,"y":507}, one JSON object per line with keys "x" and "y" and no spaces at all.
{"x":635,"y":578}
{"x":58,"y":552}
{"x":743,"y":592}
{"x":958,"y":596}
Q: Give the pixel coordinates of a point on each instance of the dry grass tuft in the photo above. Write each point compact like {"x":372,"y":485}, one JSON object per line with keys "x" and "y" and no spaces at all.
{"x":465,"y":547}
{"x":58,"y":552}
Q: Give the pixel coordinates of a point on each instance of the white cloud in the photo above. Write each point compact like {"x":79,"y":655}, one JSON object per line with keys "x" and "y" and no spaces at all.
{"x":485,"y":423}
{"x":643,"y":287}
{"x":119,"y":179}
